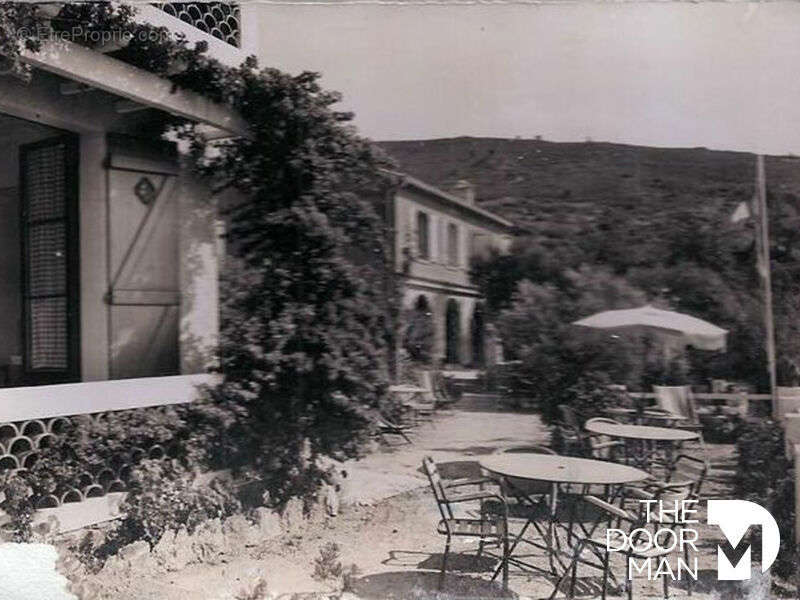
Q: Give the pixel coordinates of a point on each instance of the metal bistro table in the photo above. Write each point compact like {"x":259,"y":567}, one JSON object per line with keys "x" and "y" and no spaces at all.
{"x":557,"y":471}
{"x":643,"y":439}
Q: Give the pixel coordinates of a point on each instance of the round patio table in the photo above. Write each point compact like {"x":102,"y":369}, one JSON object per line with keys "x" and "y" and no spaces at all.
{"x":556,"y":471}
{"x":562,"y":469}
{"x":643,"y":442}
{"x":642,"y":432}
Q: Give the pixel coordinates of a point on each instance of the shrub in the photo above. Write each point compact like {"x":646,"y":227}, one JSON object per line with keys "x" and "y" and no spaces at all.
{"x":588,"y":397}
{"x":328,"y":568}
{"x":552,"y":355}
{"x":162,"y":498}
{"x":765,"y":476}
{"x":307,"y":315}
{"x":16,"y":501}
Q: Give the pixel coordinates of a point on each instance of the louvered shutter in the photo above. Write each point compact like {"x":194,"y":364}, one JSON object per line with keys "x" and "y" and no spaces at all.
{"x":49,"y":218}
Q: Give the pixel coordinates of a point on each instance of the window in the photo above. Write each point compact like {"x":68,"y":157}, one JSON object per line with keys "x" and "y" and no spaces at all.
{"x":423,"y":236}
{"x":452,"y":244}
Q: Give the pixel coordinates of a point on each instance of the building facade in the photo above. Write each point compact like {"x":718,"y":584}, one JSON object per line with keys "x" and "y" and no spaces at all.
{"x":110,"y":248}
{"x":436,"y":235}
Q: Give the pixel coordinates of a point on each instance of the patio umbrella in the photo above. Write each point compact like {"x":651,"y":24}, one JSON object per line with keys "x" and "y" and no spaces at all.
{"x":679,"y":329}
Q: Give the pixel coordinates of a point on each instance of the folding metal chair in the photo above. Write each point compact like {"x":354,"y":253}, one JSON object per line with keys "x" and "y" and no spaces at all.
{"x":676,"y":404}
{"x":531,"y":500}
{"x":489,"y":527}
{"x":602,"y":447}
{"x":386,"y":427}
{"x":683,"y":482}
{"x":592,"y":537}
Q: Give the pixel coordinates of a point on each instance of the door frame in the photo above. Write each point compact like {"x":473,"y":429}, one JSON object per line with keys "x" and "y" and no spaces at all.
{"x":72,"y":220}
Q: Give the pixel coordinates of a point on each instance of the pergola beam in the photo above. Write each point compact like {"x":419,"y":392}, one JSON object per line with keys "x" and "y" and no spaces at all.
{"x":102,"y":72}
{"x":72,"y":88}
{"x":41,"y":101}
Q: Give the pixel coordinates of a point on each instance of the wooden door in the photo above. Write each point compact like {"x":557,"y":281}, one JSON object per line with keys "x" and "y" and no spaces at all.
{"x":50,"y":264}
{"x":144,"y":294}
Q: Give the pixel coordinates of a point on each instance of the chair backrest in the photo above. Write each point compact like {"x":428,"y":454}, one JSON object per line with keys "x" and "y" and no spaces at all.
{"x":676,"y":399}
{"x":597,"y":514}
{"x":598,"y":443}
{"x":435,"y":481}
{"x":691,"y":470}
{"x":603,"y":420}
{"x":534,"y":449}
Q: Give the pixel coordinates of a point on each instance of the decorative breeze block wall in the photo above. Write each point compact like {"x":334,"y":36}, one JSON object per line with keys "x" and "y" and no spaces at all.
{"x":22,"y":442}
{"x":214,"y":18}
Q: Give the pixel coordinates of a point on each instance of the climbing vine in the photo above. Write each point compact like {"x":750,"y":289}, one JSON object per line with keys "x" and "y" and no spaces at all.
{"x":306,"y":317}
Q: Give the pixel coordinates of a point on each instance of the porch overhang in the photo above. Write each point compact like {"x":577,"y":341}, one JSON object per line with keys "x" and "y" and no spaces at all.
{"x":98,"y":71}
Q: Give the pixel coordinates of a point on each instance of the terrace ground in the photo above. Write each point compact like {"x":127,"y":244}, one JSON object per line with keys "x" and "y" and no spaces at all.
{"x":386,"y":527}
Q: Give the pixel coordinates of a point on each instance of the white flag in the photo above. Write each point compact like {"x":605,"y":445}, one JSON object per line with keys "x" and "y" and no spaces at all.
{"x":741,"y":213}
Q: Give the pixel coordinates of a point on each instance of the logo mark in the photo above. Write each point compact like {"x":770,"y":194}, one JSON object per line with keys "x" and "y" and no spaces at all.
{"x":735,"y":518}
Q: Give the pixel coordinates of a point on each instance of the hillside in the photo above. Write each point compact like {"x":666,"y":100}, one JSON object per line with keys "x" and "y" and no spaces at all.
{"x":560,"y":190}
{"x":657,"y":218}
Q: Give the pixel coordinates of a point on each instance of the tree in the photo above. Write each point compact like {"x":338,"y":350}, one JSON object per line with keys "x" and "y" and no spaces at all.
{"x":305,"y":329}
{"x":553,"y":355}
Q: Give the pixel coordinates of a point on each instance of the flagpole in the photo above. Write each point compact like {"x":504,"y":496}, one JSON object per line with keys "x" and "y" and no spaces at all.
{"x":766,"y":277}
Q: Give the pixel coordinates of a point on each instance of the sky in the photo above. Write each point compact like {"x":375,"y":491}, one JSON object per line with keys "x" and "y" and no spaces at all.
{"x":719,"y":75}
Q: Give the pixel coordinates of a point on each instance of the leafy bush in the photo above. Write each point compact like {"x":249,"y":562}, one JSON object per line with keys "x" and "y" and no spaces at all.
{"x":328,"y":568}
{"x":588,"y":397}
{"x":765,"y":476}
{"x":163,"y":497}
{"x":89,"y":444}
{"x":16,"y":500}
{"x":306,"y":331}
{"x":552,"y":355}
{"x":591,"y":395}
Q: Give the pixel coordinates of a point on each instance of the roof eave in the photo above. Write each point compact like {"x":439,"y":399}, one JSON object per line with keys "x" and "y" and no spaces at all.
{"x":407,"y":180}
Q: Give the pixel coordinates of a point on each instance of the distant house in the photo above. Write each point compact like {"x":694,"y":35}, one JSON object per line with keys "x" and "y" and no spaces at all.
{"x":109,"y":260}
{"x":436,"y":234}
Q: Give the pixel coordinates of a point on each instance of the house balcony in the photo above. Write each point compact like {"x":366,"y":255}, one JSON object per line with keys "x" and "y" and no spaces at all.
{"x":230,"y":30}
{"x":218,"y":19}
